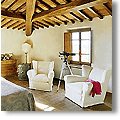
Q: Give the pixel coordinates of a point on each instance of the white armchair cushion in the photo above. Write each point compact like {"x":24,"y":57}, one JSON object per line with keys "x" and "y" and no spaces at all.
{"x":74,"y":78}
{"x":41,"y":78}
{"x":86,"y":70}
{"x":80,"y":86}
{"x":43,"y":67}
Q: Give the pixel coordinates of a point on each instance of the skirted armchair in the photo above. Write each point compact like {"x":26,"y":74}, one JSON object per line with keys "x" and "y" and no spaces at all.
{"x":41,"y":76}
{"x":78,"y":90}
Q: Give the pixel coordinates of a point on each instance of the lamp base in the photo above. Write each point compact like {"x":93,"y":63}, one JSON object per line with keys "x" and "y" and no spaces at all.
{"x":26,"y":57}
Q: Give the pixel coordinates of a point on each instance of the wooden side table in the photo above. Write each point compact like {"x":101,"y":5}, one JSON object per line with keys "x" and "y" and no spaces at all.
{"x":8,"y":67}
{"x":22,"y":71}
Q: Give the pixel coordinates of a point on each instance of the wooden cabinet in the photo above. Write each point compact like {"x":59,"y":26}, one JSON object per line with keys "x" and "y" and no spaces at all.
{"x":8,"y":67}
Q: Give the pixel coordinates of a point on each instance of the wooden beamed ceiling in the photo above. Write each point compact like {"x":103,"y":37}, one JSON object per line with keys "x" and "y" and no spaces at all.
{"x":28,"y":15}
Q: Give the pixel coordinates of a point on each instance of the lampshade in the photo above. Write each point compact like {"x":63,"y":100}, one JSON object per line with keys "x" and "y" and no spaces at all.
{"x":26,"y":47}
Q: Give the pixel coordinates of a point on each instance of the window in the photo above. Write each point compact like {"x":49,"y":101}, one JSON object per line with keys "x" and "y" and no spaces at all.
{"x":81,"y":46}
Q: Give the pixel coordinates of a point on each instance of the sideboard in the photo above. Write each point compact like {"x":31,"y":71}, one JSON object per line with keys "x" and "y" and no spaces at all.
{"x":8,"y":67}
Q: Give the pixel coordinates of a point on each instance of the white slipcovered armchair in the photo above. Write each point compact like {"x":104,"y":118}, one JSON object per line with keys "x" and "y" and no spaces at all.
{"x":41,"y":76}
{"x":78,"y":90}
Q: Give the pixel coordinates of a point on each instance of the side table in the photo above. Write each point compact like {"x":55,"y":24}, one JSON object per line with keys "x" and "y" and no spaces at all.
{"x":8,"y":67}
{"x":22,"y":71}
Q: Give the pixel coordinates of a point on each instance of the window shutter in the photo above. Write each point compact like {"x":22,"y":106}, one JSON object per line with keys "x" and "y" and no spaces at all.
{"x":68,"y":43}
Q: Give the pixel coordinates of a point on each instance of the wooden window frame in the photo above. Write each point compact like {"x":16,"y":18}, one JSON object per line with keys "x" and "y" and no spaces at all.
{"x":79,"y":62}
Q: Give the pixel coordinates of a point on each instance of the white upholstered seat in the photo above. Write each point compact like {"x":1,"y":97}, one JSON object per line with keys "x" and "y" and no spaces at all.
{"x":41,"y":76}
{"x":78,"y":90}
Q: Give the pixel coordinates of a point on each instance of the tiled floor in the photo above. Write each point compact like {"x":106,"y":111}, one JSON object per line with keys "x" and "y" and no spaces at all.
{"x":56,"y":101}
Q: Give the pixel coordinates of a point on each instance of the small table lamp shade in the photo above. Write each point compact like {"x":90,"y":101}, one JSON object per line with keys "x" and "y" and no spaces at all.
{"x":26,"y":47}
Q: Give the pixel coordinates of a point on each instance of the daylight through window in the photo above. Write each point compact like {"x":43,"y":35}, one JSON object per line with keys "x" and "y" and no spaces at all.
{"x":81,"y":46}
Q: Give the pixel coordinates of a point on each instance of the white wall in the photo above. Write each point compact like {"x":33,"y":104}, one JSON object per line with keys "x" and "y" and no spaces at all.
{"x":47,"y":43}
{"x":11,"y":41}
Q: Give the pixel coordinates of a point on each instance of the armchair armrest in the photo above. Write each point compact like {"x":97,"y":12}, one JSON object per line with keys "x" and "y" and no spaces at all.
{"x":86,"y":89}
{"x":87,"y":86}
{"x":74,"y":78}
{"x":51,"y":75}
{"x":31,"y":73}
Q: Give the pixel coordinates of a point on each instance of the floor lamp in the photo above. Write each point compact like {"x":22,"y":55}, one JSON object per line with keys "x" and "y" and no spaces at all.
{"x":26,"y":48}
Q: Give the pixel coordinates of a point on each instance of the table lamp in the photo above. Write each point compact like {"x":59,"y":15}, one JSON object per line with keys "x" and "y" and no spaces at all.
{"x":26,"y":48}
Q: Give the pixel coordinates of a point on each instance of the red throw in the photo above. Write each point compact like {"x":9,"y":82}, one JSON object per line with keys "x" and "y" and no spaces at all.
{"x":96,"y":87}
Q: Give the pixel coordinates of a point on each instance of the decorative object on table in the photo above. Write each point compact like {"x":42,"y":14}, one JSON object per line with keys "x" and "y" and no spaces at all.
{"x":26,"y":48}
{"x":6,"y":56}
{"x":22,"y":71}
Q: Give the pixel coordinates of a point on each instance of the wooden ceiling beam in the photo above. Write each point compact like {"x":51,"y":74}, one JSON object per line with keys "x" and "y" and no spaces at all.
{"x":8,"y":8}
{"x":24,"y":12}
{"x":49,"y":23}
{"x":20,"y":7}
{"x":45,"y":4}
{"x":21,"y":27}
{"x":68,"y":1}
{"x":12,"y":14}
{"x":90,"y":4}
{"x":42,"y":24}
{"x":35,"y":26}
{"x":60,"y":9}
{"x":2,"y":1}
{"x":107,"y":8}
{"x":30,"y":8}
{"x":65,"y":22}
{"x":39,"y":8}
{"x":54,"y":22}
{"x":6,"y":23}
{"x":69,"y":19}
{"x":55,"y":2}
{"x":76,"y":16}
{"x":21,"y":24}
{"x":3,"y":20}
{"x":84,"y":14}
{"x":12,"y":25}
{"x":38,"y":24}
{"x":96,"y":12}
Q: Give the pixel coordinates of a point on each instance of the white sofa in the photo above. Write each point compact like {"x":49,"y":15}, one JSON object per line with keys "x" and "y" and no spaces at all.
{"x":41,"y":76}
{"x":78,"y":90}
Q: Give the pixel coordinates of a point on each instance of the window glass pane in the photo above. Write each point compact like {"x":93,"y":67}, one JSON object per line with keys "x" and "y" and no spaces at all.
{"x":85,"y":35}
{"x":85,"y":46}
{"x":75,"y":35}
{"x":76,"y":57}
{"x":75,"y":46}
{"x":85,"y":58}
